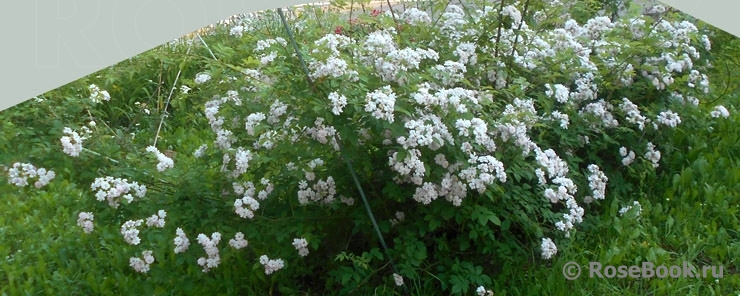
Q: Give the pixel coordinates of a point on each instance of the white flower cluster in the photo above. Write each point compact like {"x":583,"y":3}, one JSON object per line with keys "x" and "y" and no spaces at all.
{"x":685,"y":99}
{"x":157,"y":220}
{"x":706,"y":42}
{"x":211,"y":247}
{"x":347,"y":200}
{"x":19,"y":174}
{"x":720,"y":111}
{"x":201,"y":78}
{"x":253,"y":120}
{"x":224,"y":138}
{"x":164,"y":161}
{"x":517,"y":119}
{"x":182,"y":243}
{"x":399,"y":61}
{"x":674,"y":36}
{"x":626,"y":209}
{"x":233,"y":96}
{"x":111,"y":189}
{"x":411,"y":167}
{"x":652,"y":155}
{"x":627,"y":77}
{"x":597,"y":182}
{"x":333,"y":65}
{"x":238,"y":242}
{"x":255,"y":78}
{"x":514,"y":13}
{"x":516,"y":130}
{"x":267,"y":140}
{"x":377,"y":44}
{"x":488,"y":170}
{"x":566,"y":191}
{"x":130,"y":231}
{"x":698,"y":78}
{"x":71,"y":142}
{"x":142,"y":264}
{"x":262,"y":46}
{"x":456,"y":98}
{"x":655,"y":9}
{"x":321,"y":191}
{"x":247,"y":205}
{"x":143,"y":106}
{"x":601,"y":110}
{"x":398,"y":279}
{"x":237,"y":31}
{"x":97,"y":95}
{"x":268,"y":137}
{"x":632,"y":113}
{"x":404,"y":60}
{"x":453,"y":187}
{"x":85,"y":220}
{"x":414,"y":16}
{"x":200,"y":151}
{"x":677,"y":59}
{"x":562,"y":118}
{"x":549,"y":248}
{"x":523,"y":110}
{"x":609,"y":51}
{"x":557,"y":170}
{"x":427,"y":131}
{"x":400,"y":216}
{"x":338,"y":102}
{"x":481,"y":291}
{"x":277,"y":110}
{"x":323,"y":134}
{"x":450,"y":73}
{"x":242,"y":157}
{"x":426,"y":193}
{"x":381,"y":103}
{"x":596,"y":27}
{"x":636,"y":26}
{"x":677,"y":65}
{"x":560,"y":92}
{"x":669,"y":118}
{"x":451,"y":22}
{"x":586,"y":88}
{"x":271,"y":265}
{"x":249,"y":189}
{"x":211,"y":110}
{"x":551,"y":162}
{"x":301,"y":245}
{"x":387,"y":137}
{"x":628,"y":157}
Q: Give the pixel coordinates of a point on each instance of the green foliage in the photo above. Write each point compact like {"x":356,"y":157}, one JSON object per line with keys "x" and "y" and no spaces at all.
{"x":689,"y":203}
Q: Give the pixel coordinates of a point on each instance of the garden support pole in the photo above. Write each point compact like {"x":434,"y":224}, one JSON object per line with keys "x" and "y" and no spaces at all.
{"x":346,"y":159}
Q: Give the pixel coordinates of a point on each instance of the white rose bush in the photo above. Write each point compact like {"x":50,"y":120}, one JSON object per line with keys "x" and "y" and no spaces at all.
{"x":413,"y":150}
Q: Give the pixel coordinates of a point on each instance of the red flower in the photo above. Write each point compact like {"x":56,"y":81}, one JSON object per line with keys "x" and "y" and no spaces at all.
{"x":375,"y":12}
{"x":338,"y":30}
